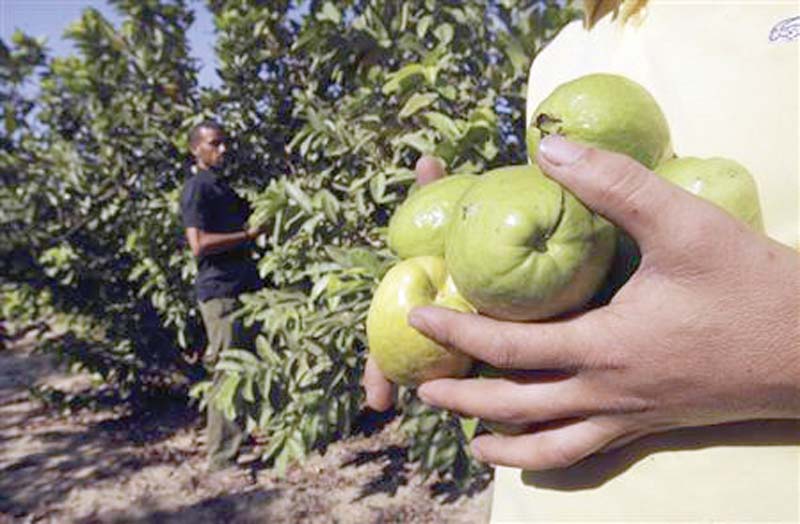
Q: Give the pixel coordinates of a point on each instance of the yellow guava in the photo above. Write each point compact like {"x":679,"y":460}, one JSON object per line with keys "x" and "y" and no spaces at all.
{"x":403,"y":354}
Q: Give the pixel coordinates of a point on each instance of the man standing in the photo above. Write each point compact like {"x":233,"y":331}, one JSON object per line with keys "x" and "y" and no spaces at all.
{"x":215,"y":218}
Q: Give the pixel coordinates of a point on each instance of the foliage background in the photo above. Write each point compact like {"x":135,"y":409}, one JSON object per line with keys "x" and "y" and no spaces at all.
{"x":328,"y":105}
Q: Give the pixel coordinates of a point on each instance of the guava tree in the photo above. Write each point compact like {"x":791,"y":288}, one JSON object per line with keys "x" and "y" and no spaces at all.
{"x":92,"y":169}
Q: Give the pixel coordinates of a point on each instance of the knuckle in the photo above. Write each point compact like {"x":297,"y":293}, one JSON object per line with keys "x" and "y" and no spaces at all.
{"x":627,"y":186}
{"x":444,"y":332}
{"x":502,"y":353}
{"x":509,"y":413}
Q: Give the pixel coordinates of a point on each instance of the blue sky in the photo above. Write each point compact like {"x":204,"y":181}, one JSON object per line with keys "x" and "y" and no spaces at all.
{"x":49,"y":18}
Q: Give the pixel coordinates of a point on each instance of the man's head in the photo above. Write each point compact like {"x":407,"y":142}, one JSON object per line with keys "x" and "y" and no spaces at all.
{"x":207,"y":144}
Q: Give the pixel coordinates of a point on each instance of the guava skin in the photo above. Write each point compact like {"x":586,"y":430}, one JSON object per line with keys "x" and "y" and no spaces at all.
{"x":520,"y":247}
{"x":721,"y":181}
{"x":418,"y":226}
{"x":607,"y":112}
{"x":403,"y":354}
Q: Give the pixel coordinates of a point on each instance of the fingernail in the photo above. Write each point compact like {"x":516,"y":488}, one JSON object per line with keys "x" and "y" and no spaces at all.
{"x":558,"y":150}
{"x":422,"y":393}
{"x":415,"y":319}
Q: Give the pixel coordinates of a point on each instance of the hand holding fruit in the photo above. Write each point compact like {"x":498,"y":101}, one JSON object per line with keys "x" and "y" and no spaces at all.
{"x":705,"y":332}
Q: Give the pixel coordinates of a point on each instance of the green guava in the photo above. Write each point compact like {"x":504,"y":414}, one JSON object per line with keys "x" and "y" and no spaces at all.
{"x":403,"y":354}
{"x":721,"y":181}
{"x":521,"y":247}
{"x":604,"y":111}
{"x":418,"y":226}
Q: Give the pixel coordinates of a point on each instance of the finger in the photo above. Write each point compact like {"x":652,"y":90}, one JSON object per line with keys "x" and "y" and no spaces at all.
{"x":567,"y":344}
{"x":555,"y":447}
{"x":614,"y":185}
{"x":380,"y":392}
{"x":428,"y":169}
{"x":623,"y":441}
{"x":510,"y":401}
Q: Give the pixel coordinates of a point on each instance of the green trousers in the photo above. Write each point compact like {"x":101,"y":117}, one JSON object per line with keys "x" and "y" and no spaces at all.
{"x":224,"y":436}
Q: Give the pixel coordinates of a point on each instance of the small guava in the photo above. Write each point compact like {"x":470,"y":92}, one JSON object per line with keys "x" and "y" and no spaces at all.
{"x":403,"y":354}
{"x":722,"y":181}
{"x":418,"y":226}
{"x":605,"y":111}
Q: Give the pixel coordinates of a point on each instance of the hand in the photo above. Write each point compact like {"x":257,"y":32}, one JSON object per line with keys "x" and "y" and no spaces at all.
{"x":380,"y":392}
{"x":705,"y":332}
{"x":255,"y":232}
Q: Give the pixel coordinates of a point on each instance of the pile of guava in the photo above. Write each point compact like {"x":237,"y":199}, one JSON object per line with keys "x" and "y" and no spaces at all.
{"x":513,"y":244}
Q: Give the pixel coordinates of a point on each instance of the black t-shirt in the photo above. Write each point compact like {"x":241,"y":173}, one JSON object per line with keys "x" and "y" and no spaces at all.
{"x":210,"y":204}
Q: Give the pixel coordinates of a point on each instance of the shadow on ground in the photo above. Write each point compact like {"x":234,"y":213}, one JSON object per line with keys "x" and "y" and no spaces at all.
{"x":103,"y":445}
{"x":247,"y":507}
{"x":394,"y":473}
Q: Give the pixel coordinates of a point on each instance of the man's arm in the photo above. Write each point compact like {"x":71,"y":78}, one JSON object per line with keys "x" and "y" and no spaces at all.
{"x":206,"y":243}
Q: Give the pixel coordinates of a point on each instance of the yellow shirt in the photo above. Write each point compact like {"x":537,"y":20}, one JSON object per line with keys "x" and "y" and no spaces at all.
{"x":726,"y":76}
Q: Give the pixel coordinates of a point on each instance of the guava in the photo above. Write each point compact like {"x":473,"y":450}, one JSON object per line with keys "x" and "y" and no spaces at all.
{"x":403,"y":354}
{"x":521,"y":247}
{"x":721,"y":181}
{"x":607,"y":112}
{"x":418,"y":226}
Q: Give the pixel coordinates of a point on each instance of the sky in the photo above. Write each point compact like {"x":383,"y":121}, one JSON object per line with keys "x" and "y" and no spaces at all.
{"x":49,"y":18}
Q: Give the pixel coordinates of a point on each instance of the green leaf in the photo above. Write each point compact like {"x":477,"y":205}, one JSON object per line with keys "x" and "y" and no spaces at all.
{"x":402,"y":77}
{"x":416,"y":102}
{"x":247,"y":358}
{"x":329,"y":13}
{"x":247,"y":389}
{"x":299,"y":197}
{"x":377,"y":187}
{"x":418,"y":141}
{"x":444,"y":33}
{"x":469,"y":426}
{"x":423,"y":25}
{"x":444,"y":124}
{"x":515,"y":52}
{"x":232,"y":367}
{"x":223,"y":397}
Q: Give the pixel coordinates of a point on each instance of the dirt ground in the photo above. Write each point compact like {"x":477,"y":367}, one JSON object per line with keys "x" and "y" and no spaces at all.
{"x":113,"y":465}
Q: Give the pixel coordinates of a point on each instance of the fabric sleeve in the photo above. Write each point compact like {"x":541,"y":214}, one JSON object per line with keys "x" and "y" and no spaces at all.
{"x":195,"y":206}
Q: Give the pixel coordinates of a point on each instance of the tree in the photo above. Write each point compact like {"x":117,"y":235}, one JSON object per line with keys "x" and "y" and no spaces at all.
{"x":94,"y":181}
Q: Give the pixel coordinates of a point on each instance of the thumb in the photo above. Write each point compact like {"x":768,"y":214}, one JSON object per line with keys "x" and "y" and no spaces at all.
{"x":614,"y":185}
{"x":380,"y":392}
{"x":429,"y":169}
